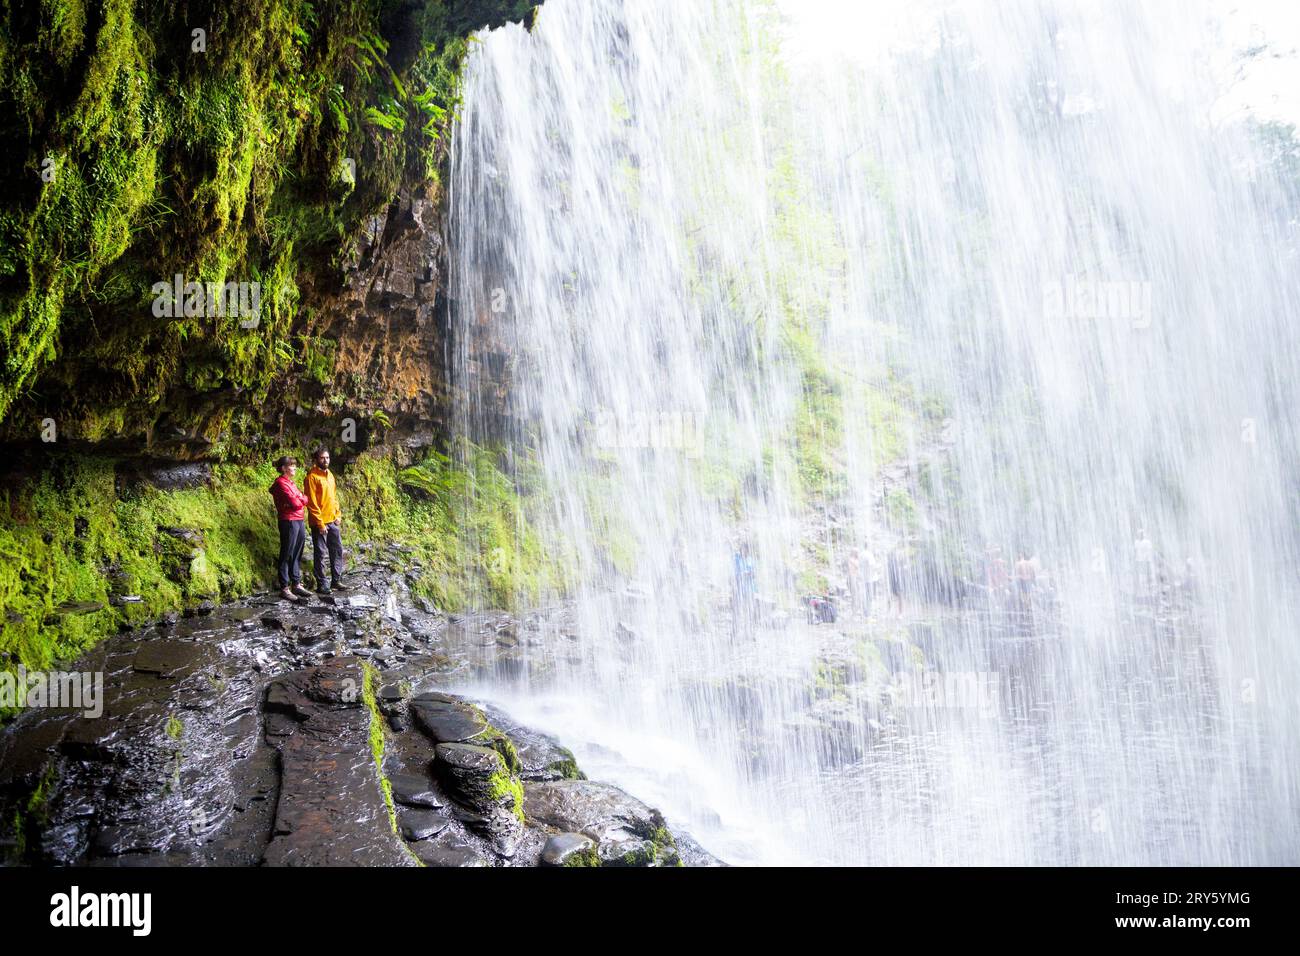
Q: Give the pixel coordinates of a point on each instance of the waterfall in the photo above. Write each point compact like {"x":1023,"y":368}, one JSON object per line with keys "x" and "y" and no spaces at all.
{"x":1002,"y":287}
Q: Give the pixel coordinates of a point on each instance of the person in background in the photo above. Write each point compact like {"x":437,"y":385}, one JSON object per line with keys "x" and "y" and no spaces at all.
{"x":997,"y":577}
{"x":1026,"y":577}
{"x":326,"y":520}
{"x":289,"y":504}
{"x":744,"y":583}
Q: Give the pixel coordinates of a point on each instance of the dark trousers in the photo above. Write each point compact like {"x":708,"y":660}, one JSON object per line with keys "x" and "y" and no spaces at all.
{"x":326,"y":539}
{"x":292,"y":540}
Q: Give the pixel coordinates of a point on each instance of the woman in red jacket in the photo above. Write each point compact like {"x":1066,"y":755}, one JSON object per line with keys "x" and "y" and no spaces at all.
{"x":289,"y":504}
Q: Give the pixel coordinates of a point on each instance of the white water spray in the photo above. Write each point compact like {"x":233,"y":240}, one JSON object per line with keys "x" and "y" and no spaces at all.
{"x":1009,"y":283}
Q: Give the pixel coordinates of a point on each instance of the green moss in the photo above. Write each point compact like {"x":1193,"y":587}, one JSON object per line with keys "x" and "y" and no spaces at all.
{"x":498,"y":741}
{"x":641,"y":856}
{"x":502,"y":785}
{"x":70,"y":536}
{"x":31,"y":816}
{"x":318,"y":358}
{"x":218,"y":165}
{"x":584,"y":858}
{"x":567,"y":766}
{"x":470,"y":525}
{"x":377,"y":745}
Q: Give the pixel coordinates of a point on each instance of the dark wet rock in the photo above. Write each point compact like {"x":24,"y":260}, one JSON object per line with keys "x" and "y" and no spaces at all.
{"x":478,"y":780}
{"x":449,"y":850}
{"x":114,"y":840}
{"x":132,"y":780}
{"x":283,"y":698}
{"x":122,"y":600}
{"x":570,"y":849}
{"x":331,"y":810}
{"x":692,"y":854}
{"x":167,"y":477}
{"x":227,"y":741}
{"x":446,"y":719}
{"x":414,"y":790}
{"x":541,"y":756}
{"x":66,"y":843}
{"x":422,"y":824}
{"x":167,"y":658}
{"x":91,"y":740}
{"x":191,"y":536}
{"x":627,"y":832}
{"x":25,"y":755}
{"x":74,"y":608}
{"x":273,"y":621}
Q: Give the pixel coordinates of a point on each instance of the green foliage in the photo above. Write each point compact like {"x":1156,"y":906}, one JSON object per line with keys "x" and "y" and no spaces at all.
{"x":506,"y":784}
{"x":69,"y":536}
{"x":469,"y":524}
{"x":583,"y":858}
{"x":31,"y":817}
{"x":220,"y":165}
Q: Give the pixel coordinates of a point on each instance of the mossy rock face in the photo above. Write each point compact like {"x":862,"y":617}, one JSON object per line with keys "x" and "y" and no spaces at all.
{"x":570,"y":849}
{"x":254,"y":151}
{"x":538,"y":756}
{"x":626,"y":831}
{"x":78,"y":530}
{"x":478,"y":779}
{"x":566,"y":768}
{"x":447,"y":719}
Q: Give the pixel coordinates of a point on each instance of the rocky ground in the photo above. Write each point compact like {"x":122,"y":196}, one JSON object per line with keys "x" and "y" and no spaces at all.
{"x":314,"y":734}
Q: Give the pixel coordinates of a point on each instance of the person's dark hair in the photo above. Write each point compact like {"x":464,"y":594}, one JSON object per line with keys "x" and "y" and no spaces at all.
{"x":322,"y":450}
{"x":285,"y":460}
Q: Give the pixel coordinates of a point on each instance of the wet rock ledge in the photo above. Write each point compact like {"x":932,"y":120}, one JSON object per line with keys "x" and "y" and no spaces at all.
{"x":312,"y":734}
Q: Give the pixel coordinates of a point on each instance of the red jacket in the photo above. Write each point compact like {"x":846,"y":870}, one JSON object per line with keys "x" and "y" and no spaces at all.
{"x":289,"y":501}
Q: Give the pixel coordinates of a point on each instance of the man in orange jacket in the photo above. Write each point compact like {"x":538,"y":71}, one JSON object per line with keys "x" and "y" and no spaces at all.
{"x":325,"y":518}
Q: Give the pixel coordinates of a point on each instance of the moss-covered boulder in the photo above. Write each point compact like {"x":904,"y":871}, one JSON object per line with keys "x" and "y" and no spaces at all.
{"x":489,"y":796}
{"x":626,"y":832}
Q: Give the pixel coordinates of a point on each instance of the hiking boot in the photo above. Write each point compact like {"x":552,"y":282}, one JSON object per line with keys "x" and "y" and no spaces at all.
{"x":322,"y":589}
{"x":338,"y":585}
{"x":288,"y":594}
{"x":300,"y":590}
